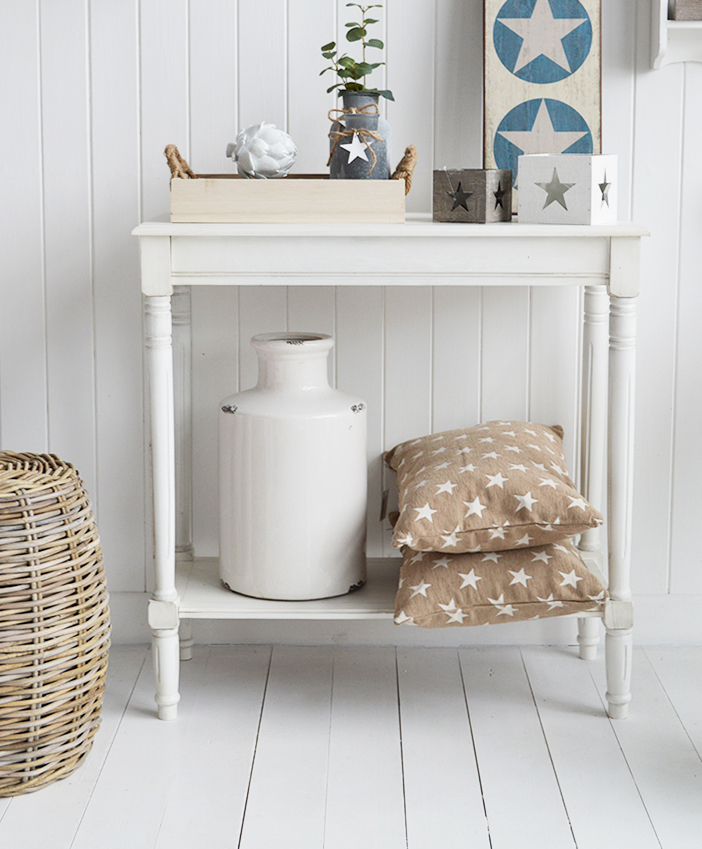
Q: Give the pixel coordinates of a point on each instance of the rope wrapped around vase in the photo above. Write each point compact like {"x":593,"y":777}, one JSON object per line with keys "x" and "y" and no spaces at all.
{"x":335,"y":136}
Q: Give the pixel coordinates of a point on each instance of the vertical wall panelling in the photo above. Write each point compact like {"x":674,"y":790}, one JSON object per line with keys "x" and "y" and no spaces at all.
{"x":456,"y":357}
{"x":618,"y":87}
{"x":458,"y":86}
{"x":67,"y":236}
{"x":410,"y":77}
{"x":262,"y":63}
{"x":658,"y":177}
{"x":313,"y":308}
{"x":685,"y":561}
{"x":214,"y":122}
{"x":554,"y":353}
{"x":359,"y":334}
{"x":163,"y":61}
{"x":213,"y":84}
{"x":311,"y":23}
{"x":408,"y":367}
{"x":117,"y":300}
{"x":215,"y":321}
{"x":23,"y":407}
{"x":505,"y":356}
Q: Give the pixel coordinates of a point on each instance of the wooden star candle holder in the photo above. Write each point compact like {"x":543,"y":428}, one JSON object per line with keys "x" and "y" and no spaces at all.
{"x":568,"y":188}
{"x":472,"y":195}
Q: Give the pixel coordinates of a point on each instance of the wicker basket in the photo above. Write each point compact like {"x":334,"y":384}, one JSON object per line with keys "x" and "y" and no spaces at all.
{"x":54,"y":622}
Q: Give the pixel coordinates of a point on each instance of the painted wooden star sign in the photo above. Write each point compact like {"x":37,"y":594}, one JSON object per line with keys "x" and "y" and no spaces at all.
{"x":356,"y":148}
{"x":459,"y":198}
{"x":542,"y":34}
{"x":604,"y":188}
{"x":542,"y":137}
{"x":555,"y":190}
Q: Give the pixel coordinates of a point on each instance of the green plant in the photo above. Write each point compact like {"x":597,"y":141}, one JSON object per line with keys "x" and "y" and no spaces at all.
{"x":352,"y":73}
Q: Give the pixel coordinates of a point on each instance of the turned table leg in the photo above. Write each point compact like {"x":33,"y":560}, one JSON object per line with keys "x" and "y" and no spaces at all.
{"x":619,"y":611}
{"x":163,"y":606}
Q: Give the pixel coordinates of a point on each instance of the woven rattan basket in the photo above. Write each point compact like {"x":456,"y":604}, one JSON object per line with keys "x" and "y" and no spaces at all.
{"x":54,"y":622}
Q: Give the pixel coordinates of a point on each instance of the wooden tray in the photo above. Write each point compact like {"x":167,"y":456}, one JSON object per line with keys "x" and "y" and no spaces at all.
{"x":305,"y":198}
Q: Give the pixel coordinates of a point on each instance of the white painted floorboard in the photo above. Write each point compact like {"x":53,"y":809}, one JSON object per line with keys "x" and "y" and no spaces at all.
{"x":339,"y":747}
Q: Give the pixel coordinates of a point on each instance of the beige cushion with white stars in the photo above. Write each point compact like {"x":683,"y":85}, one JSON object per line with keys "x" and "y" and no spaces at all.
{"x":438,"y":590}
{"x":491,"y":487}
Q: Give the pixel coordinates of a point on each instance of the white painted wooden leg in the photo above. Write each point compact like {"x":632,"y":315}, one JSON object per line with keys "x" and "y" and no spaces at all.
{"x":166,"y":671}
{"x":588,"y":637}
{"x":618,"y":650}
{"x":185,"y":633}
{"x":619,"y":616}
{"x":182,"y":399}
{"x":163,"y":606}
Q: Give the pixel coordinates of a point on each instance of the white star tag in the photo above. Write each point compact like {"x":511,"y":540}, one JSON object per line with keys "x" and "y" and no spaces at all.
{"x":356,"y":148}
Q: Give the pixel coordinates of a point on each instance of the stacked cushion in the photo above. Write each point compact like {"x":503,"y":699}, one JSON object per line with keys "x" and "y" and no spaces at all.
{"x":464,"y":496}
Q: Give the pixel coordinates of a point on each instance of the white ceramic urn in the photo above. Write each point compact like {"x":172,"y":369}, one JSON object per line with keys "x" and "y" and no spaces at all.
{"x":293,"y":477}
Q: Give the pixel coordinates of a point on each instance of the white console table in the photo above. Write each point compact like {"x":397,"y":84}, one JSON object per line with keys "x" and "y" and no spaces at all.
{"x":603,"y":259}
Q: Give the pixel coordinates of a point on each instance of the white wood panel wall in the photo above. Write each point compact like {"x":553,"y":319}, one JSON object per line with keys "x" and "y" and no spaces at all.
{"x":92,"y":92}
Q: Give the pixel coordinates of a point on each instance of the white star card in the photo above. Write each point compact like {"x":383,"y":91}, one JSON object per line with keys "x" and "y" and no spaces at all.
{"x":542,"y":80}
{"x":567,"y":189}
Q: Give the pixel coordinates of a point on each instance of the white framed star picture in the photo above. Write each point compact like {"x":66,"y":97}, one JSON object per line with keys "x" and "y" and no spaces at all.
{"x":542,"y":80}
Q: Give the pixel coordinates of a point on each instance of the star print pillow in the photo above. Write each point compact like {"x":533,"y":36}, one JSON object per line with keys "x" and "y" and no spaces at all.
{"x":440,"y":590}
{"x":492,"y":487}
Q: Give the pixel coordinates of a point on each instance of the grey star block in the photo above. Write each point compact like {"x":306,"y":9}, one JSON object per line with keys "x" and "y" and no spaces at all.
{"x":472,"y":195}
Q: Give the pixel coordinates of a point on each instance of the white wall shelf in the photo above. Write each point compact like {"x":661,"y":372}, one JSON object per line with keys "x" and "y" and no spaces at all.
{"x":673,"y":41}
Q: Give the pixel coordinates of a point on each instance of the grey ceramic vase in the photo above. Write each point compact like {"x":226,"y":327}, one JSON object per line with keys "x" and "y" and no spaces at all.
{"x":340,"y":167}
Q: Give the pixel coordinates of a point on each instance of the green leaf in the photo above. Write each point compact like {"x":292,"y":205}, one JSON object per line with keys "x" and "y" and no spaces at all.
{"x":367,"y":21}
{"x":355,"y":34}
{"x":364,"y":68}
{"x":330,"y":46}
{"x":353,"y":24}
{"x":383,"y":93}
{"x":329,"y":55}
{"x":331,"y":88}
{"x":375,"y":42}
{"x":325,"y":70}
{"x":347,"y":62}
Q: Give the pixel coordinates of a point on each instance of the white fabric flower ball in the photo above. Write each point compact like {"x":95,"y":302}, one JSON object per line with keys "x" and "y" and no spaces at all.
{"x":262,"y":152}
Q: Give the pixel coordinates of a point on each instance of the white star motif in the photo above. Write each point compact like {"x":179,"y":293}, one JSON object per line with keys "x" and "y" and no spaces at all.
{"x":442,"y":562}
{"x":515,"y":448}
{"x":437,"y":438}
{"x":531,"y":445}
{"x":569,"y":579}
{"x":532,"y":432}
{"x":403,"y":619}
{"x":418,"y":557}
{"x":464,"y":450}
{"x":509,"y":433}
{"x":542,"y":35}
{"x":442,"y":466}
{"x":561,"y":547}
{"x":542,"y":556}
{"x":421,"y":484}
{"x":470,"y":579}
{"x":551,"y":603}
{"x":526,"y":502}
{"x":557,"y":468}
{"x":450,"y":540}
{"x":474,"y":507}
{"x":550,"y":436}
{"x":455,"y":616}
{"x":577,"y":502}
{"x":549,"y":482}
{"x":469,"y":468}
{"x":519,"y":577}
{"x":425,"y":512}
{"x":441,"y":450}
{"x":420,"y":589}
{"x":405,"y":540}
{"x":542,"y":137}
{"x":517,"y":467}
{"x":599,"y":597}
{"x":497,"y":533}
{"x":503,"y":609}
{"x":450,"y":606}
{"x":490,"y":454}
{"x":525,"y":540}
{"x":445,"y":487}
{"x":356,"y":148}
{"x":486,"y":439}
{"x":492,"y":556}
{"x":417,"y":455}
{"x":496,"y":480}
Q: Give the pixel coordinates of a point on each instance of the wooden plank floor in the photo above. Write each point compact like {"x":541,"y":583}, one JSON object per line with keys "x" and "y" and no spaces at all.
{"x":311,"y":747}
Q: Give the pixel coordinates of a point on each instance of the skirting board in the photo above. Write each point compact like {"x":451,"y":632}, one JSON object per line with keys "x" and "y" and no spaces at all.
{"x":659,"y":620}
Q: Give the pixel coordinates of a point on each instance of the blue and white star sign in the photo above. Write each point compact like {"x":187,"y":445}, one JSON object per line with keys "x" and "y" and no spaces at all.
{"x":541,"y":125}
{"x":542,"y":79}
{"x":542,"y":41}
